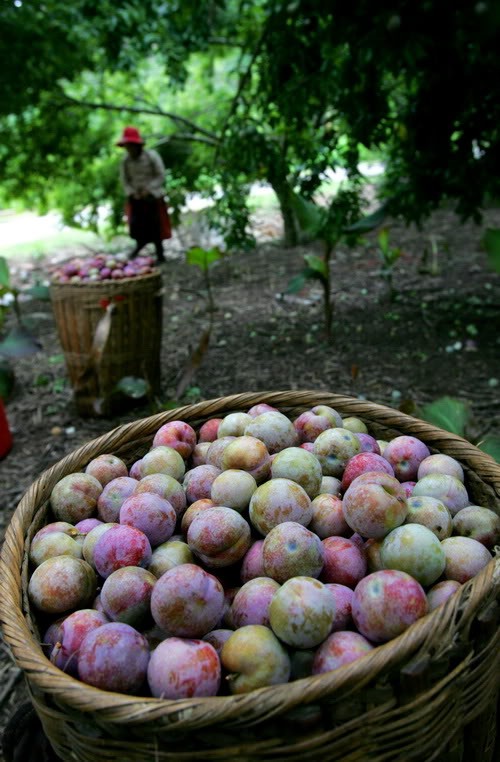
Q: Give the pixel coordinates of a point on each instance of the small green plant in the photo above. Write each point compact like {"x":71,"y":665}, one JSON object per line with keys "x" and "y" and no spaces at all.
{"x":491,"y":244}
{"x":389,"y":255}
{"x":204,"y":259}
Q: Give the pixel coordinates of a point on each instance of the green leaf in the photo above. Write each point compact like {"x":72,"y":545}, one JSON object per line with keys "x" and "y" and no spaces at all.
{"x":4,"y":273}
{"x":447,"y":413}
{"x":491,"y":446}
{"x":491,"y":243}
{"x":383,"y":240}
{"x":297,"y":283}
{"x":370,"y":222}
{"x":132,"y":386}
{"x":39,"y":292}
{"x":317,"y":264}
{"x":310,"y":216}
{"x":19,"y":342}
{"x":203,"y":258}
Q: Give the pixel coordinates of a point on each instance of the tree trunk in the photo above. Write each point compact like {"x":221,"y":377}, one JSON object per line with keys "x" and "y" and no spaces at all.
{"x":284,"y":195}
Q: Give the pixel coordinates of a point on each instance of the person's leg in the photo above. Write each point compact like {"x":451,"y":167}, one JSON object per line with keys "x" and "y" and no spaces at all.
{"x":160,"y":256}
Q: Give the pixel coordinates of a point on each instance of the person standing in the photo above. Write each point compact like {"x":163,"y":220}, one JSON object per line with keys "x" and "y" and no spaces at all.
{"x":143,"y":177}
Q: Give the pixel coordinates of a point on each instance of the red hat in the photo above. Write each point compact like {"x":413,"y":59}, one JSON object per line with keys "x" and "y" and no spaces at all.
{"x":130,"y":135}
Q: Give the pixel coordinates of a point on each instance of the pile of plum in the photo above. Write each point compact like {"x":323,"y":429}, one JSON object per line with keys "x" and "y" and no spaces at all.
{"x":102,"y":268}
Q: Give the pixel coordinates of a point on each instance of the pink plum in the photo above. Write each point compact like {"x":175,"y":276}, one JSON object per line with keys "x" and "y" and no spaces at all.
{"x":163,"y":460}
{"x":279,"y":500}
{"x":53,"y":544}
{"x":114,"y":657}
{"x":291,"y":550}
{"x":333,"y":448}
{"x":166,"y":487}
{"x":300,"y":466}
{"x":233,"y":425}
{"x":151,"y":514}
{"x":274,"y":429}
{"x":72,"y":631}
{"x":111,"y":498}
{"x":253,"y":562}
{"x":248,"y":454}
{"x":310,"y":424}
{"x":416,"y":550}
{"x":374,"y":504}
{"x":219,"y":536}
{"x":135,"y":471}
{"x":261,"y":407}
{"x":361,"y":463}
{"x":368,"y":443}
{"x":465,"y":558}
{"x":199,"y":454}
{"x":444,"y":487}
{"x":386,"y":603}
{"x":126,"y":595}
{"x":215,"y":452}
{"x":338,"y":649}
{"x":251,"y":602}
{"x":309,"y":446}
{"x":120,"y":546}
{"x":344,"y":562}
{"x":208,"y":431}
{"x":439,"y":463}
{"x":105,"y":468}
{"x":328,"y":517}
{"x":233,"y":488}
{"x":440,"y":593}
{"x":405,"y":454}
{"x":431,"y":513}
{"x":372,"y":553}
{"x":177,"y":434}
{"x":342,"y":597}
{"x":84,"y":527}
{"x":354,"y":424}
{"x":301,"y":612}
{"x":408,"y":487}
{"x":169,"y":554}
{"x":254,"y":658}
{"x":217,"y":638}
{"x":330,"y":485}
{"x":61,"y":584}
{"x":187,"y":601}
{"x":193,"y":511}
{"x":479,"y":523}
{"x":75,"y":497}
{"x":91,"y":539}
{"x":181,"y":668}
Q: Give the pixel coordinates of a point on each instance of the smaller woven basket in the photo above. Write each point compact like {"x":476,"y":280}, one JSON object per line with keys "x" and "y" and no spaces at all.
{"x":430,"y":694}
{"x":109,"y":330}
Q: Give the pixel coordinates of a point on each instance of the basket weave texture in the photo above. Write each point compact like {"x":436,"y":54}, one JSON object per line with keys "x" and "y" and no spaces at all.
{"x":109,"y":330}
{"x":430,"y":694}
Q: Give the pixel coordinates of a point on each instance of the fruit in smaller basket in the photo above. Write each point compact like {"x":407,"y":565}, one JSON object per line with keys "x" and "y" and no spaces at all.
{"x":169,"y":554}
{"x":246,"y":453}
{"x":479,"y":523}
{"x":233,"y":488}
{"x":431,"y":513}
{"x":114,"y":657}
{"x":374,"y":504}
{"x":166,"y":487}
{"x":181,"y":668}
{"x":414,"y":549}
{"x":386,"y":603}
{"x":441,"y":592}
{"x":72,"y":631}
{"x":310,"y":424}
{"x":62,"y":583}
{"x":344,"y":562}
{"x":301,"y":612}
{"x":342,"y":596}
{"x":333,"y":448}
{"x":53,"y":544}
{"x":233,"y":425}
{"x":187,"y":601}
{"x":251,"y":603}
{"x":465,"y":558}
{"x":300,"y":466}
{"x":254,"y":658}
{"x":361,"y":463}
{"x":198,"y":482}
{"x":328,"y":517}
{"x":405,"y":454}
{"x":113,"y":495}
{"x":121,"y":546}
{"x":444,"y":487}
{"x":253,"y":562}
{"x":279,"y":500}
{"x":274,"y":429}
{"x":208,"y":430}
{"x":338,"y":649}
{"x":439,"y":463}
{"x":177,"y":434}
{"x":74,"y":497}
{"x":219,"y":536}
{"x":105,"y":468}
{"x":163,"y":460}
{"x":126,"y":596}
{"x":151,"y":514}
{"x":291,"y":550}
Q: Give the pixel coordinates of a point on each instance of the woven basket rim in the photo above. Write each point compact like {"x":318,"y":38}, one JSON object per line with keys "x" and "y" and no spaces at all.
{"x":109,"y":281}
{"x":424,"y":634}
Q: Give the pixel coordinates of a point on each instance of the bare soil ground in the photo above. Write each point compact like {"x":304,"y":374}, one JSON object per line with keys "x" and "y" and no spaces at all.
{"x":439,"y":336}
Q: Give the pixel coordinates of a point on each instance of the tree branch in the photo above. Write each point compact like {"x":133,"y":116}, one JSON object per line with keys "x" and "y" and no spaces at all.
{"x":137,"y":110}
{"x":182,"y":136}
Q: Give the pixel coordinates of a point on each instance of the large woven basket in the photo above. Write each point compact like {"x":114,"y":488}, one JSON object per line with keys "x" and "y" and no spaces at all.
{"x":109,"y":330}
{"x":430,"y":694}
